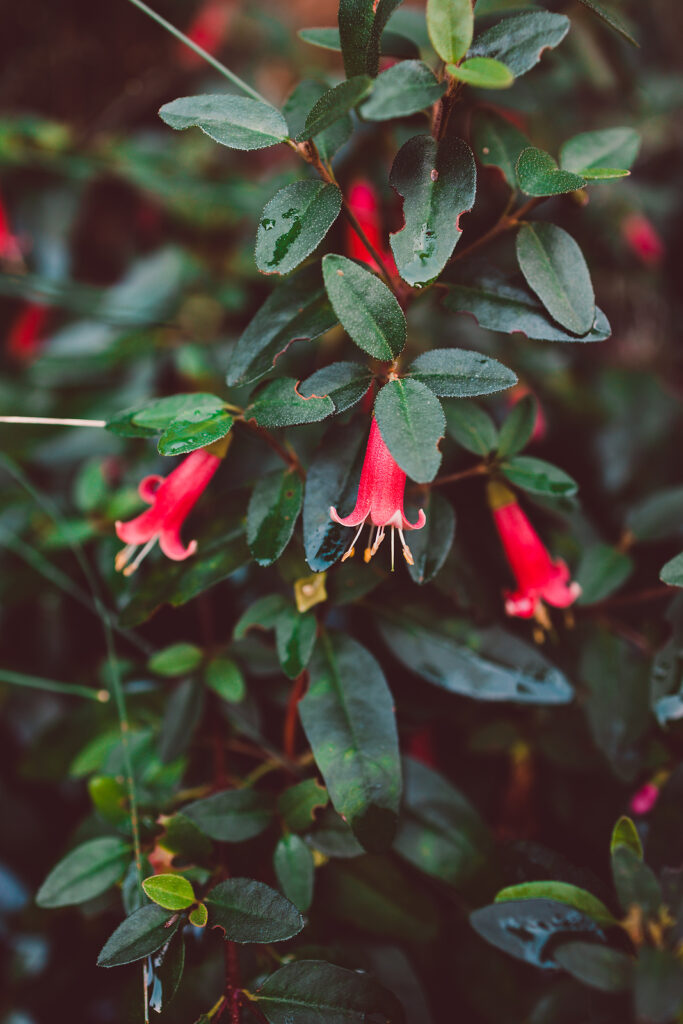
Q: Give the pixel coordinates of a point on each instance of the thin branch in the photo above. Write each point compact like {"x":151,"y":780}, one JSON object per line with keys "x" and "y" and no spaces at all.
{"x":464,"y":474}
{"x":506,"y":222}
{"x":51,"y":686}
{"x":52,"y":421}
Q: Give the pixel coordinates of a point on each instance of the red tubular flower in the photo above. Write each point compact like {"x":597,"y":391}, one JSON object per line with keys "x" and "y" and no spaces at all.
{"x":208,"y":30}
{"x":644,"y":799}
{"x":380,"y":499}
{"x":365,"y":205}
{"x":9,"y":247}
{"x":642,"y":238}
{"x":25,"y":333}
{"x":171,"y":499}
{"x":539,"y":578}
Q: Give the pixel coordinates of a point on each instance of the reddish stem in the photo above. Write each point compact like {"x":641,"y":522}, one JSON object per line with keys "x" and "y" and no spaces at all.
{"x":289,"y":732}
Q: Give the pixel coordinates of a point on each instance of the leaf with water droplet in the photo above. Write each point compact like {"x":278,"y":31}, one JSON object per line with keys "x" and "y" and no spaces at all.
{"x":294,"y":223}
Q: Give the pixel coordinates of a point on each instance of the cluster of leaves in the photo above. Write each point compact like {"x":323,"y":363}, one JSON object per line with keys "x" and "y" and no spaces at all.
{"x":322,"y":773}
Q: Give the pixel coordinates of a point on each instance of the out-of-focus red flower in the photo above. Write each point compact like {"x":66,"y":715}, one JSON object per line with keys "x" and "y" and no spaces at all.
{"x":642,"y":238}
{"x":420,"y":746}
{"x":25,"y":336}
{"x":380,"y":499}
{"x":207,"y":29}
{"x":515,"y":395}
{"x":644,"y":799}
{"x":365,"y":205}
{"x":9,"y":246}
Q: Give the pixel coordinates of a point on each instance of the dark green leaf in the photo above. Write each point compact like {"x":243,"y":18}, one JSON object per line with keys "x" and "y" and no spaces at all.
{"x":482,"y":73}
{"x":349,"y":720}
{"x":168,"y":964}
{"x":635,"y":882}
{"x":279,"y":404}
{"x":295,"y":633}
{"x":497,"y":143}
{"x":609,"y":147}
{"x":172,"y":892}
{"x":361,"y":24}
{"x":176,"y":660}
{"x":601,"y":572}
{"x":224,"y":678}
{"x":231,"y":816}
{"x":562,"y":892}
{"x":345,"y":383}
{"x":658,"y":516}
{"x":294,"y":223}
{"x":437,"y":182}
{"x":392,"y":44}
{"x":234,"y":121}
{"x":312,"y":990}
{"x":491,"y":665}
{"x":505,"y":304}
{"x":459,"y":373}
{"x":333,"y":104}
{"x":181,"y":716}
{"x":518,"y":427}
{"x":519,"y":41}
{"x":658,"y":988}
{"x":603,"y":968}
{"x":430,"y":545}
{"x":609,"y":18}
{"x":450,"y":24}
{"x":471,"y":427}
{"x":538,"y":476}
{"x":439,"y":830}
{"x":297,"y":804}
{"x":274,"y":508}
{"x":159,"y":414}
{"x":672,"y":572}
{"x":539,"y":175}
{"x":146,"y":930}
{"x":401,"y":90}
{"x":529,"y":929}
{"x":293,"y":864}
{"x":249,"y":911}
{"x":625,"y":833}
{"x":194,"y":430}
{"x":368,"y":311}
{"x":411,"y":422}
{"x":85,"y":872}
{"x":296,"y":109}
{"x":297,"y":309}
{"x":556,"y":271}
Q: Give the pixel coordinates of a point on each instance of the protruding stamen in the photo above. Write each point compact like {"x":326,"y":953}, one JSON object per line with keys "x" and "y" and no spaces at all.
{"x":379,"y":537}
{"x":130,"y":569}
{"x":407,"y":553}
{"x":393,"y":531}
{"x":123,"y":556}
{"x":349,"y":553}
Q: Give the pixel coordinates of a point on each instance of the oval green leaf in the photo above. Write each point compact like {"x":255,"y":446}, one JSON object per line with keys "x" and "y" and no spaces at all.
{"x":482,"y":73}
{"x":554,"y":268}
{"x":172,"y":892}
{"x":367,"y":310}
{"x":274,"y":508}
{"x":538,"y":476}
{"x":249,"y":911}
{"x":231,"y":816}
{"x":335,"y":103}
{"x":86,"y":871}
{"x":279,"y":404}
{"x":411,"y":422}
{"x":539,"y":175}
{"x":450,"y":24}
{"x":294,"y":223}
{"x":460,"y":373}
{"x":293,"y":864}
{"x":235,"y":121}
{"x":519,"y":40}
{"x":146,"y":930}
{"x":401,"y":90}
{"x":563,"y":892}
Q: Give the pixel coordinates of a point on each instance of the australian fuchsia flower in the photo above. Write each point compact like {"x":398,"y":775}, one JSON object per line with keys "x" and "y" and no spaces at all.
{"x":642,"y":238}
{"x":644,"y":799}
{"x":9,"y":246}
{"x":539,"y":578}
{"x":380,"y":499}
{"x":25,"y":335}
{"x":365,"y":205}
{"x":171,"y":499}
{"x":208,"y":30}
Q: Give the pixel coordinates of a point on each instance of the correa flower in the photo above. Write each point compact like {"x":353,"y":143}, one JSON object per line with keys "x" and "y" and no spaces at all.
{"x":365,"y":205}
{"x":26,"y":331}
{"x":642,"y":238}
{"x":9,"y":246}
{"x":171,"y":499}
{"x":539,"y":578}
{"x":380,"y":499}
{"x":208,"y":30}
{"x":644,"y":799}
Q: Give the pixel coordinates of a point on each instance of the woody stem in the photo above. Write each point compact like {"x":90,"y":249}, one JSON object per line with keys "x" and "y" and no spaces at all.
{"x":505,"y":223}
{"x":479,"y":470}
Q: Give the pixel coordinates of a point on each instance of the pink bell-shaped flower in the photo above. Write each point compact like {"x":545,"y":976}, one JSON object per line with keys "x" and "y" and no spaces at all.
{"x":171,"y":499}
{"x":539,"y":578}
{"x":380,"y":499}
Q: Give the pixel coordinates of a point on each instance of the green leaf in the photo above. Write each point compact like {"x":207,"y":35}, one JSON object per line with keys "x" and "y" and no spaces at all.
{"x":168,"y":965}
{"x":234,"y":121}
{"x":497,"y":143}
{"x":224,"y":677}
{"x":450,"y":24}
{"x":556,"y":271}
{"x":249,"y":911}
{"x":279,"y":404}
{"x":332,"y":480}
{"x":482,"y":73}
{"x":401,"y":90}
{"x":293,"y":865}
{"x":297,"y":804}
{"x":601,"y":571}
{"x":658,"y":516}
{"x":274,"y":508}
{"x":471,"y":427}
{"x":611,"y":20}
{"x":411,"y":422}
{"x":161,"y":413}
{"x":672,"y":572}
{"x":531,"y":930}
{"x":539,"y":175}
{"x":85,"y":872}
{"x":361,"y":24}
{"x":294,"y":632}
{"x":297,"y":310}
{"x":658,"y":988}
{"x":109,"y":798}
{"x":176,"y":660}
{"x":194,"y":430}
{"x":368,"y":311}
{"x":430,"y":545}
{"x":349,"y":720}
{"x":181,"y":717}
{"x":538,"y":476}
{"x":294,"y":223}
{"x":504,"y":304}
{"x":635,"y":882}
{"x":486,"y":665}
{"x":608,"y":970}
{"x":562,"y":892}
{"x":440,"y":832}
{"x":173,"y":892}
{"x":312,"y":990}
{"x":609,"y":147}
{"x":345,"y":383}
{"x":460,"y":373}
{"x":199,"y":916}
{"x":231,"y":816}
{"x":625,"y":833}
{"x":437,"y":182}
{"x":518,"y":427}
{"x":392,"y":44}
{"x":146,"y":930}
{"x":519,"y":41}
{"x":296,"y":110}
{"x":333,"y":104}
{"x":325,"y":38}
